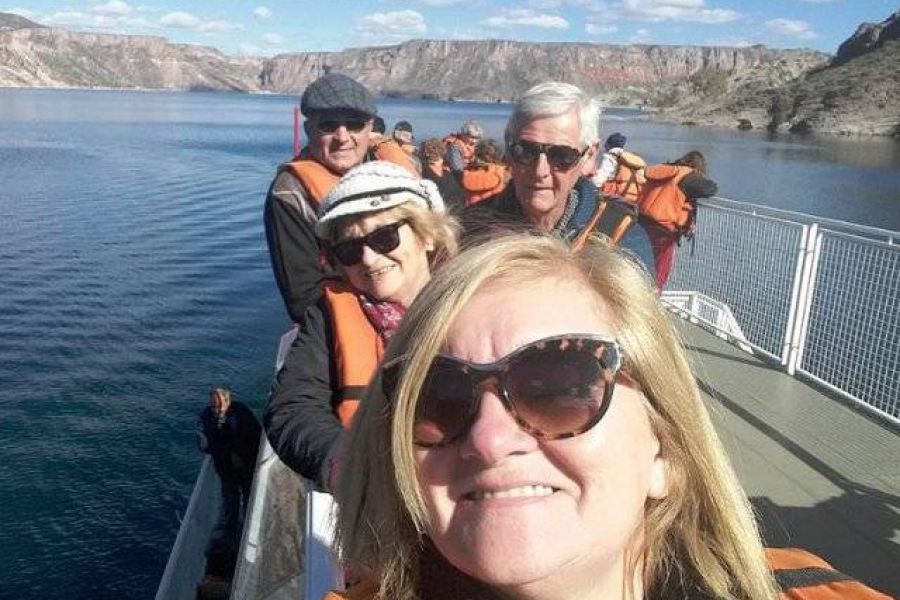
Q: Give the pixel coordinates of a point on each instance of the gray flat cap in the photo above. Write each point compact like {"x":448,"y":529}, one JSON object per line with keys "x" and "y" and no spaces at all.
{"x":336,"y":91}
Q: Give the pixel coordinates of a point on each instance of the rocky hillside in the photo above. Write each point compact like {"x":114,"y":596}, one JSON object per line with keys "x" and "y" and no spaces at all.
{"x":750,"y":87}
{"x":856,"y":92}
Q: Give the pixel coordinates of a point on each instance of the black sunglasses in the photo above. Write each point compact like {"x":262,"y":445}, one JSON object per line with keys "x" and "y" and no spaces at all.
{"x":382,"y":240}
{"x":331,"y":125}
{"x":554,"y":388}
{"x":560,"y":157}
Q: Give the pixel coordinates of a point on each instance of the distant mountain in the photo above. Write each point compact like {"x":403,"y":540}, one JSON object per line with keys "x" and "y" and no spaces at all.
{"x":9,"y":21}
{"x":755,"y":86}
{"x":855,"y":93}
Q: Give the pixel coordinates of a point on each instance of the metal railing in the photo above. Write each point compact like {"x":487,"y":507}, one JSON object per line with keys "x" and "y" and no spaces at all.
{"x":819,"y":297}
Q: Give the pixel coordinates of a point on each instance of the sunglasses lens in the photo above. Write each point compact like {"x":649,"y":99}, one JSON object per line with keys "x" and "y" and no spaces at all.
{"x":445,"y":405}
{"x":355,"y":125}
{"x":348,"y":253}
{"x":563,"y":157}
{"x":556,"y":392}
{"x":524,"y":153}
{"x":332,"y":125}
{"x":384,"y":239}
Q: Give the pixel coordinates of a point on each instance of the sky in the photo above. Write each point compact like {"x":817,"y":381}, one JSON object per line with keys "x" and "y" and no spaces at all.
{"x":270,"y":27}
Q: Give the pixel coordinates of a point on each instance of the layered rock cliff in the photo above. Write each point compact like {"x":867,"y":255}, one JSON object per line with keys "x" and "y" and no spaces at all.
{"x":799,"y":90}
{"x":856,"y":92}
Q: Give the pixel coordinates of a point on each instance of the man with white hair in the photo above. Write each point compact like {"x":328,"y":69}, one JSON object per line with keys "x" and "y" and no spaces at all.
{"x":551,"y":144}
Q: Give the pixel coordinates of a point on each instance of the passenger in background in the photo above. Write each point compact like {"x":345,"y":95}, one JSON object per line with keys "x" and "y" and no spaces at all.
{"x":486,"y":175}
{"x":229,"y":432}
{"x":403,"y":135}
{"x":551,"y":141}
{"x":432,"y":153}
{"x":386,"y":148}
{"x":621,"y":172}
{"x":668,"y":206}
{"x":461,"y":146}
{"x":536,"y":433}
{"x":383,"y":230}
{"x":339,"y":114}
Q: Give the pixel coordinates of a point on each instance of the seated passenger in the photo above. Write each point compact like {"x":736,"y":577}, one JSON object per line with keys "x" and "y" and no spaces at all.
{"x":537,"y":433}
{"x":486,"y":175}
{"x":435,"y":169}
{"x":383,"y":230}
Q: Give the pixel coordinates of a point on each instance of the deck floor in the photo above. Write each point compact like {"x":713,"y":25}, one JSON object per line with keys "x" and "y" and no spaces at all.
{"x":822,"y":476}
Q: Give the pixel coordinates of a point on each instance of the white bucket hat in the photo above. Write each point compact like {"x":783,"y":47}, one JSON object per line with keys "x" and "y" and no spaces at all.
{"x":371,"y":187}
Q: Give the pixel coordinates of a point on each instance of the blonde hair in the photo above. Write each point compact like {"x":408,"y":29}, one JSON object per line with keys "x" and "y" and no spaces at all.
{"x":703,"y":531}
{"x":441,"y":229}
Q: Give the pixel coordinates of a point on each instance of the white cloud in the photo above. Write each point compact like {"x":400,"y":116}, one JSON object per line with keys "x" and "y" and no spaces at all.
{"x":693,"y":11}
{"x":97,"y":22}
{"x":728,"y":42}
{"x":273,"y":39}
{"x":440,"y":2}
{"x":262,"y":13}
{"x":597,"y":29}
{"x":184,"y":20}
{"x":113,"y":8}
{"x":640,"y":36}
{"x":525,"y":17}
{"x":249,"y":50}
{"x":388,"y":27}
{"x":790,"y":27}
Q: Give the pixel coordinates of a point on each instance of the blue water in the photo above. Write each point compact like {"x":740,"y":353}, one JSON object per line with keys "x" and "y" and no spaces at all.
{"x":133,"y":276}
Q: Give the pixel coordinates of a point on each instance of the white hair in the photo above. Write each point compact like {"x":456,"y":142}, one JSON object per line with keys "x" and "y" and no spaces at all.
{"x":552,"y":99}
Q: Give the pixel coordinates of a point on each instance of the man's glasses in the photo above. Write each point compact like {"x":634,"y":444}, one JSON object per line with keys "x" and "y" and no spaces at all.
{"x":554,"y":388}
{"x":332,"y":125}
{"x":560,"y":157}
{"x":383,"y":240}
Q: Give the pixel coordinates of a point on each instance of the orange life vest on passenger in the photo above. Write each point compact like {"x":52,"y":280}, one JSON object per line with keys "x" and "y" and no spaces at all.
{"x":391,"y":151}
{"x":481,"y":181}
{"x":662,"y":201}
{"x":316,"y":179}
{"x":628,"y":179}
{"x":802,"y":575}
{"x":467,"y":151}
{"x":357,"y":347}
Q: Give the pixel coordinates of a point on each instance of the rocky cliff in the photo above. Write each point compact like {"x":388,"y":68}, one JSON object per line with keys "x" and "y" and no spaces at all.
{"x":854,"y":93}
{"x":755,"y":86}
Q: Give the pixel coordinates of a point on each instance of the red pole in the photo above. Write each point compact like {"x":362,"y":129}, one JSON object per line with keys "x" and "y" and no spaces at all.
{"x":296,"y":131}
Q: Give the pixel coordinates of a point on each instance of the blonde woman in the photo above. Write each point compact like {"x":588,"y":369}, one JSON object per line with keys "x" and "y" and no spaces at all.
{"x":537,"y":433}
{"x":383,"y":230}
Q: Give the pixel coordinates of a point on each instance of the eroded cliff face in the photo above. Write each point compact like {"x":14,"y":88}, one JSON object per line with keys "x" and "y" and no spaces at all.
{"x":51,"y":57}
{"x":497,"y":69}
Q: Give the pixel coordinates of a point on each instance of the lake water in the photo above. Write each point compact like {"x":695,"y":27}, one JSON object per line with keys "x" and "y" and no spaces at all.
{"x":134,"y":275}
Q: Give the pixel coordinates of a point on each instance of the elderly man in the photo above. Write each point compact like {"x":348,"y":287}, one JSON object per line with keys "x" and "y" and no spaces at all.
{"x":551,"y":142}
{"x":339,"y":113}
{"x":461,"y":146}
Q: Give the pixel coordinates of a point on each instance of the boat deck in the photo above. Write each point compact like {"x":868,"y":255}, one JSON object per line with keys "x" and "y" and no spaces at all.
{"x":821,"y":475}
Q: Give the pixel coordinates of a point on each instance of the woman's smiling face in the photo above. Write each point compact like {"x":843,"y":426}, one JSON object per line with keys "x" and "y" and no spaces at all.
{"x":529,"y":516}
{"x":395,"y":276}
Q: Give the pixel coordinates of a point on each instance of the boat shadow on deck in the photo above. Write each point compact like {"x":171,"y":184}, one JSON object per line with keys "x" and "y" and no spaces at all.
{"x":820,"y":474}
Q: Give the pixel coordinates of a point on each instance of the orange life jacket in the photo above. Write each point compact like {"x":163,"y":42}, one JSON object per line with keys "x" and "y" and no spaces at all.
{"x":391,"y":151}
{"x":662,"y":201}
{"x":316,"y":179}
{"x":800,"y":574}
{"x":357,"y":347}
{"x":483,"y":181}
{"x":804,"y":576}
{"x":467,"y":151}
{"x":628,"y":179}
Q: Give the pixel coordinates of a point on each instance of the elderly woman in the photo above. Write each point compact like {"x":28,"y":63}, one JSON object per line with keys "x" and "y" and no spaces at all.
{"x":383,"y":230}
{"x":537,"y":434}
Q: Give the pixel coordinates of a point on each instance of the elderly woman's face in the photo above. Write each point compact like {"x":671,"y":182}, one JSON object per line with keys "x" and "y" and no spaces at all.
{"x":526,"y":515}
{"x":396,"y":275}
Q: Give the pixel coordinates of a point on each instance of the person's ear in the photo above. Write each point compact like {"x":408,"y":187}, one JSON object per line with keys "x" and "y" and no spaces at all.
{"x":658,"y":487}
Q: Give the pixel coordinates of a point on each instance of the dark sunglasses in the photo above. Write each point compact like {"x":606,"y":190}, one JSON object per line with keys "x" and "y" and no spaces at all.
{"x":383,"y":240}
{"x":560,"y":157}
{"x":332,"y":125}
{"x":554,"y":388}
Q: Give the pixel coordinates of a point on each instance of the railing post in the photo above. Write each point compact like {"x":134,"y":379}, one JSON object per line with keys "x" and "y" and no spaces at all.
{"x":798,"y":321}
{"x":802,"y":253}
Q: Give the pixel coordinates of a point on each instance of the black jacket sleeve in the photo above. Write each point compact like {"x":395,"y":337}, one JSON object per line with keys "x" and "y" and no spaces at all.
{"x":293,"y":247}
{"x":695,"y":185}
{"x":299,"y":420}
